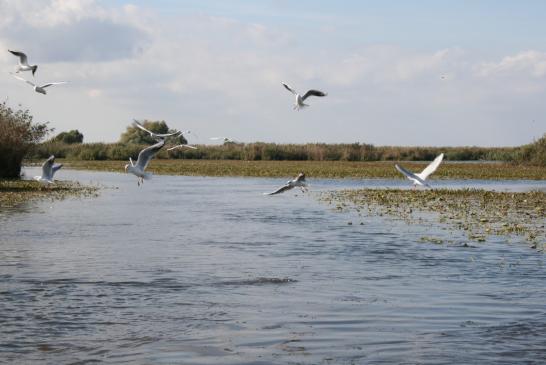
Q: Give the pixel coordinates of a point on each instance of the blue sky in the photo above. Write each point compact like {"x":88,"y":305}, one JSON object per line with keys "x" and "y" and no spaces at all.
{"x":396,"y":72}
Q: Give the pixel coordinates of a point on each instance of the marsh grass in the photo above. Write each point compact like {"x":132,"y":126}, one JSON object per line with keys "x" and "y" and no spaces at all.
{"x":16,"y":192}
{"x":479,"y":213}
{"x":317,"y":169}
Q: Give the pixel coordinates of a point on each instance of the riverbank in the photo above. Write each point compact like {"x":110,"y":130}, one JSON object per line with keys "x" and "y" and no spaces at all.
{"x":16,"y":192}
{"x":479,"y":213}
{"x":318,"y":169}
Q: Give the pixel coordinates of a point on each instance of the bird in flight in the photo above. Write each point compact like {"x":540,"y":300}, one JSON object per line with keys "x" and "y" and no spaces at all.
{"x":23,"y":63}
{"x":299,"y":181}
{"x":144,"y":158}
{"x":153,"y":134}
{"x":420,"y":178}
{"x":48,"y":170}
{"x":39,"y":88}
{"x":300,"y":99}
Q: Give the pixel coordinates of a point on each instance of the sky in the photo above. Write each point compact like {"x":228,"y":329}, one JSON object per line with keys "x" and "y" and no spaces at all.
{"x":433,"y":73}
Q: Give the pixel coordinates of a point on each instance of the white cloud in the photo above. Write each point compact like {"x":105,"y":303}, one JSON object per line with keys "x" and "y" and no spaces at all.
{"x":532,"y":63}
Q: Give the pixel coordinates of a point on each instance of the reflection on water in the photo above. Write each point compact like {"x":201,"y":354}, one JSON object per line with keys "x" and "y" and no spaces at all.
{"x":196,"y":270}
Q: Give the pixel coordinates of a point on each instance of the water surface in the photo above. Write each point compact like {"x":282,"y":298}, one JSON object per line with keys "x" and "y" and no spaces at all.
{"x":200,"y":270}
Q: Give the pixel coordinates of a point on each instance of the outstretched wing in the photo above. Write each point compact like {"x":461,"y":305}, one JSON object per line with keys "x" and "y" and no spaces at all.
{"x":57,"y":167}
{"x":289,"y":88}
{"x":147,"y":154}
{"x":22,"y":57}
{"x":180,"y":146}
{"x":21,"y":79}
{"x":408,"y":174}
{"x":47,"y":168}
{"x":313,"y":93}
{"x":53,"y":83}
{"x":431,"y":167}
{"x":281,"y":189}
{"x":153,"y":134}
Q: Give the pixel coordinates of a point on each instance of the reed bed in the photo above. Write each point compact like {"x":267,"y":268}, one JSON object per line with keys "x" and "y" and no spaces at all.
{"x":322,"y":169}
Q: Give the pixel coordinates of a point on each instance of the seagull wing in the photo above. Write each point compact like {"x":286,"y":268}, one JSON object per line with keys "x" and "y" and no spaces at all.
{"x":53,"y":83}
{"x":431,"y":167}
{"x":289,"y":88}
{"x":218,"y":138}
{"x":147,"y":154}
{"x":180,"y":146}
{"x":281,"y":189}
{"x":56,"y":168}
{"x":47,"y":168}
{"x":22,"y":57}
{"x":313,"y":93}
{"x":153,"y":134}
{"x":21,"y":79}
{"x":410,"y":175}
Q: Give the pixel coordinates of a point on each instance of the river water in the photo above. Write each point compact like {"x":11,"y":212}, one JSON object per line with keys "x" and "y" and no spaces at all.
{"x":200,"y":270}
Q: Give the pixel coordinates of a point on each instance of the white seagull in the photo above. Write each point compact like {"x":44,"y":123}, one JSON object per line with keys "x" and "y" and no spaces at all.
{"x":23,"y":62}
{"x":181,"y":146}
{"x":48,"y":170}
{"x":299,"y":181}
{"x":300,"y":99}
{"x":223,"y":139}
{"x":153,"y":134}
{"x":37,"y":88}
{"x":143,"y":160}
{"x":419,"y":179}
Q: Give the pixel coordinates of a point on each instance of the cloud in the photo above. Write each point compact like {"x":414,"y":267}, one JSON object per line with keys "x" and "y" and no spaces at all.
{"x":71,"y":31}
{"x":532,"y":63}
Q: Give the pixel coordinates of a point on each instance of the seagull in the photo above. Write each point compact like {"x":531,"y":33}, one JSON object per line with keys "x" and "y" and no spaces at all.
{"x":23,"y":62}
{"x":37,"y":88}
{"x":180,"y":146}
{"x":300,"y":99}
{"x":298,"y":181}
{"x":224,"y":139}
{"x":48,"y":170}
{"x":153,"y":134}
{"x":143,"y":160}
{"x":419,"y":179}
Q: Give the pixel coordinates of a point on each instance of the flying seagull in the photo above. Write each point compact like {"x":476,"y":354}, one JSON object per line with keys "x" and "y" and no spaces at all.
{"x":300,"y":99}
{"x":153,"y":134}
{"x":419,"y":179}
{"x":39,"y":89}
{"x":180,"y":146}
{"x":48,"y":170}
{"x":143,"y":160}
{"x":299,"y":181}
{"x":223,"y":139}
{"x":23,"y":62}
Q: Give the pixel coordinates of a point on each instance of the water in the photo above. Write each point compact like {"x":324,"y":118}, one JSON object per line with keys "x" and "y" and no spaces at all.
{"x":198,"y":270}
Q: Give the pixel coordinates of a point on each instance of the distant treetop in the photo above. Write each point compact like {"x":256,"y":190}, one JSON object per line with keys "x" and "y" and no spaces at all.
{"x":70,"y":137}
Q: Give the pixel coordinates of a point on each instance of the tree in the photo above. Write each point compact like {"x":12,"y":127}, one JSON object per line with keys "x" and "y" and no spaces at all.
{"x":70,"y":137}
{"x":135,"y":135}
{"x":18,"y":134}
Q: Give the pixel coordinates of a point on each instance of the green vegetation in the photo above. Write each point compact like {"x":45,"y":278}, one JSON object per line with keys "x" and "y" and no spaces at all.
{"x":18,"y":134}
{"x":534,"y":153}
{"x":270,"y":151}
{"x":16,"y":192}
{"x":315,"y":169}
{"x":70,"y":137}
{"x":480,"y":213}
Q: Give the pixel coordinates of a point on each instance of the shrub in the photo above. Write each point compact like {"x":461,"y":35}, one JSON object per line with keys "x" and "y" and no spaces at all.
{"x":18,"y":134}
